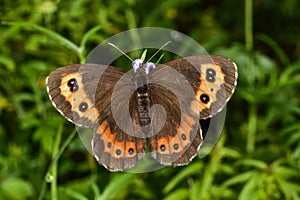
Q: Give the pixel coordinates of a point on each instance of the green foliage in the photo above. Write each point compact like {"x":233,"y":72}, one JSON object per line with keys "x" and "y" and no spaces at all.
{"x":258,"y":154}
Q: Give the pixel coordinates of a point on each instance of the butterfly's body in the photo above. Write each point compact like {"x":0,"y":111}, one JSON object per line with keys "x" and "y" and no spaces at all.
{"x":162,"y":104}
{"x":143,"y":101}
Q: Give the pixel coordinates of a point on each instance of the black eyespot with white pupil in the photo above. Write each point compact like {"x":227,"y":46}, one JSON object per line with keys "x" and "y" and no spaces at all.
{"x":210,"y":75}
{"x":162,"y":147}
{"x":83,"y":106}
{"x":72,"y":83}
{"x":210,"y":72}
{"x":118,"y":152}
{"x":204,"y":98}
{"x":176,"y":146}
{"x":130,"y":151}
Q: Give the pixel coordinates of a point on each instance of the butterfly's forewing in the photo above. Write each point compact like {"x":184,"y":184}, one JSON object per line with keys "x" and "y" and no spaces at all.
{"x":82,"y":94}
{"x":214,"y":83}
{"x":72,"y":91}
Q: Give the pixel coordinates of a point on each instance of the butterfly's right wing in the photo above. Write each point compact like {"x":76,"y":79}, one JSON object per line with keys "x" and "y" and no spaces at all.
{"x":191,"y":88}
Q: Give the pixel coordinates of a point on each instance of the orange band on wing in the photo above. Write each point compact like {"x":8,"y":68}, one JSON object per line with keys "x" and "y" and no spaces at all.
{"x":76,"y":98}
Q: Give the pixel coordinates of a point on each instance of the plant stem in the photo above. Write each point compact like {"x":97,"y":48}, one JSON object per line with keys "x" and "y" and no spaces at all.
{"x":251,"y":74}
{"x":249,"y":25}
{"x":249,"y":39}
{"x":55,"y":163}
{"x":250,"y":146}
{"x":211,"y":169}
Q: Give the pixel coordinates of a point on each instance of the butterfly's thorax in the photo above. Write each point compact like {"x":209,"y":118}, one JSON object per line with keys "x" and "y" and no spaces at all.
{"x":143,"y":101}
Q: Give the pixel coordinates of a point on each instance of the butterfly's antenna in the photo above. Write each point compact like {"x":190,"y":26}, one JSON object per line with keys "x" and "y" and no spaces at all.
{"x":158,"y":50}
{"x":111,"y":44}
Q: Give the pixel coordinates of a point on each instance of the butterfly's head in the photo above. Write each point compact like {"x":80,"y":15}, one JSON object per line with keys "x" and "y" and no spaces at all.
{"x":138,"y":65}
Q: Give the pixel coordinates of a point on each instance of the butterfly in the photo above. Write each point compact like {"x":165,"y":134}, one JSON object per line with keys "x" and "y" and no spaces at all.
{"x":152,"y":107}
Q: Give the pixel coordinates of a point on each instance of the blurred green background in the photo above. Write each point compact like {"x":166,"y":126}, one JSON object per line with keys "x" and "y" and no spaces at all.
{"x":258,"y":153}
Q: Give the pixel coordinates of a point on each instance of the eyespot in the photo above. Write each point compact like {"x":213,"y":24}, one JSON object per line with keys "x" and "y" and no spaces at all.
{"x":118,"y":152}
{"x":162,"y":147}
{"x":176,"y":146}
{"x":210,"y":75}
{"x":72,"y":83}
{"x":183,"y":136}
{"x":204,"y":98}
{"x":211,"y":72}
{"x":83,"y":106}
{"x":74,"y":88}
{"x":130,"y":151}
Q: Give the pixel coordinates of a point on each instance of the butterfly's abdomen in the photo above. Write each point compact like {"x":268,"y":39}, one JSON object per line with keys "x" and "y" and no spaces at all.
{"x":143,"y":101}
{"x":143,"y":109}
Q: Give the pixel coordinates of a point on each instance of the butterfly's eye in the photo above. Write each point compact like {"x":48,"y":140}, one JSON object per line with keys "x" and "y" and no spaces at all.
{"x":149,"y":67}
{"x":136,"y":64}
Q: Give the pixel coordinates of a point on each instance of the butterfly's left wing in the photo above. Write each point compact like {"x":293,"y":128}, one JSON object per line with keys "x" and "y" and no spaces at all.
{"x":82,"y":93}
{"x":189,"y":89}
{"x":72,"y":91}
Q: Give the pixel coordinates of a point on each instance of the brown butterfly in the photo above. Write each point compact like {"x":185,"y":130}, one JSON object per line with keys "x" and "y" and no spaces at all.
{"x":160,"y":104}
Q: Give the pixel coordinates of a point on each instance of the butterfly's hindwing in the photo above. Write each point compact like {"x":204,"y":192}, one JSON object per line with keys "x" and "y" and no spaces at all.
{"x":179,"y":139}
{"x":115,"y":149}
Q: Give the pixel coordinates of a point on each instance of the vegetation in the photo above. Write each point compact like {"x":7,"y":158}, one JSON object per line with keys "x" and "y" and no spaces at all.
{"x":258,"y":153}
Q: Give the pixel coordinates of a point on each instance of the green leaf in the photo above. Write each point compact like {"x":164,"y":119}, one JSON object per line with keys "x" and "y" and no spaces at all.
{"x":178,"y":194}
{"x":253,"y":163}
{"x":195,"y":190}
{"x":85,"y":38}
{"x":289,"y":189}
{"x":8,"y":63}
{"x":117,"y":184}
{"x":159,"y":59}
{"x":240,"y":178}
{"x":274,"y":45}
{"x":74,"y":194}
{"x":55,"y":36}
{"x":286,"y":172}
{"x":248,"y":191}
{"x":183,"y":174}
{"x":143,"y":56}
{"x":16,"y":188}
